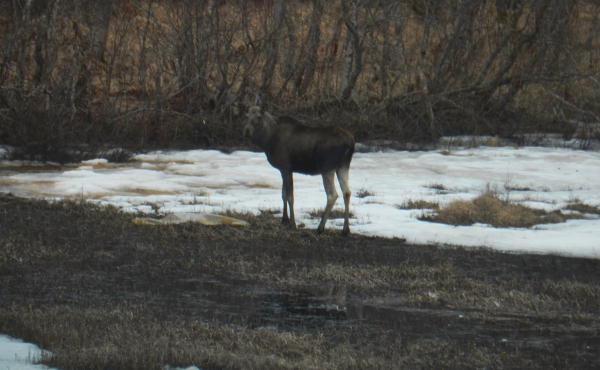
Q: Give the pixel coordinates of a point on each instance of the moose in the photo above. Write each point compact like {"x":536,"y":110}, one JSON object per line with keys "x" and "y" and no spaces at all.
{"x":291,"y":147}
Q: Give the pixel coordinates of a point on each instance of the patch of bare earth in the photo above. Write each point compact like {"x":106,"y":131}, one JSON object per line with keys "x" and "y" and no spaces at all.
{"x":103,"y":293}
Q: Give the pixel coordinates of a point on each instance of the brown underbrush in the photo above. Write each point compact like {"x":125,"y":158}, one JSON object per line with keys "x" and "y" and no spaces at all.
{"x":77,"y":77}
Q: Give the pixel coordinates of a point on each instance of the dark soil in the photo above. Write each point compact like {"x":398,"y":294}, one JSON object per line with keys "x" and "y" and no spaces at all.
{"x":103,"y":293}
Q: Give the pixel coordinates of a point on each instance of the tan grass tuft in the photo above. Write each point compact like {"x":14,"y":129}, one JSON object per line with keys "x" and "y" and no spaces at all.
{"x":489,"y":209}
{"x":363,"y":193}
{"x":583,"y":208}
{"x":419,"y":204}
{"x":335,"y":213}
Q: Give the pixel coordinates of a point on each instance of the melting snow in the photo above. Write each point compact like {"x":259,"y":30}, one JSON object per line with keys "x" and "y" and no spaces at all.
{"x":205,"y":181}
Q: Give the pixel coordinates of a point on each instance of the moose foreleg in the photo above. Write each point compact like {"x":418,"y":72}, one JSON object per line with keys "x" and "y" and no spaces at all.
{"x":285,"y":219}
{"x":287,"y":194}
{"x":342,"y":175}
{"x":329,"y":184}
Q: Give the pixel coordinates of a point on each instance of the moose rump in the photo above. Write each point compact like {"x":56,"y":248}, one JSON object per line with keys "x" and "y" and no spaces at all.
{"x":291,"y":147}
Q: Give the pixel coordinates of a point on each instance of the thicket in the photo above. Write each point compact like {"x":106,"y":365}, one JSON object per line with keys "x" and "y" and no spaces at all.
{"x":79,"y":77}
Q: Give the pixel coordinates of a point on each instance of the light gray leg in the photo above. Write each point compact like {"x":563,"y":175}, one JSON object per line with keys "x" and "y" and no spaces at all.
{"x":342,"y":175}
{"x":287,"y":194}
{"x":329,"y":184}
{"x":285,"y":219}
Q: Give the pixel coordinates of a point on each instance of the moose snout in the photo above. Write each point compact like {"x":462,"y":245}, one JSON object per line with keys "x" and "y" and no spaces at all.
{"x":248,"y":131}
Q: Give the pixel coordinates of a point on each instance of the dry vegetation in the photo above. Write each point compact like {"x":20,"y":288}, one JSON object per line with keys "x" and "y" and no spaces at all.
{"x":490,"y":209}
{"x":363,"y":193}
{"x":583,"y":208}
{"x":419,"y":204}
{"x":335,"y":213}
{"x":78,"y":77}
{"x":103,"y":293}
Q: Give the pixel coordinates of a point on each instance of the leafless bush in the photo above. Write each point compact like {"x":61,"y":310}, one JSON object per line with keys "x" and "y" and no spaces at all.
{"x":165,"y":73}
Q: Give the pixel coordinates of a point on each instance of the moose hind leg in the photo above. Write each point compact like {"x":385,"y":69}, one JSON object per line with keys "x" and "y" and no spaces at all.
{"x":287,"y":194}
{"x":329,"y":184}
{"x":342,"y":174}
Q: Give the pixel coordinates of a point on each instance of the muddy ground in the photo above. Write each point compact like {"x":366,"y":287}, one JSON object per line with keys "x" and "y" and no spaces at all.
{"x":101,"y":292}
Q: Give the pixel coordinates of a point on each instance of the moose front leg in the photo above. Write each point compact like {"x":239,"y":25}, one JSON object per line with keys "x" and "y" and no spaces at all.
{"x":285,"y":219}
{"x":287,"y":194}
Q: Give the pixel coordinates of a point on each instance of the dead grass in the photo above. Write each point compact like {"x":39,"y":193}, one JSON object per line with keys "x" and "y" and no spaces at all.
{"x":436,"y":186}
{"x":517,"y":188}
{"x":423,"y":286}
{"x":419,"y":204}
{"x":363,"y":193}
{"x":147,"y":191}
{"x":583,"y":208}
{"x":125,"y":339}
{"x":491,"y":210}
{"x":260,"y":186}
{"x":334,"y":214}
{"x":102,"y":293}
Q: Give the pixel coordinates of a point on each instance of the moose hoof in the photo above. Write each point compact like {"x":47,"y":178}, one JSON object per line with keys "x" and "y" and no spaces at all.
{"x":345,"y":232}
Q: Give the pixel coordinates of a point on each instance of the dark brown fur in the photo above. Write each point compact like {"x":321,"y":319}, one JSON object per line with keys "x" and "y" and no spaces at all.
{"x":291,"y":147}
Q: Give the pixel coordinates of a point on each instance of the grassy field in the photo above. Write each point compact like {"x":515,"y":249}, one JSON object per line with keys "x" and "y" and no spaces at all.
{"x":103,"y":293}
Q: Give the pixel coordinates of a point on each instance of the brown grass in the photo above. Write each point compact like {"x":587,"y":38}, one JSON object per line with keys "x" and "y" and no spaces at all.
{"x":419,"y":204}
{"x":583,"y":208}
{"x":438,"y":187}
{"x":142,"y":343}
{"x":146,"y":191}
{"x":102,"y":293}
{"x":363,"y":193}
{"x":424,"y":285}
{"x":260,"y":186}
{"x":335,"y":213}
{"x":489,"y":209}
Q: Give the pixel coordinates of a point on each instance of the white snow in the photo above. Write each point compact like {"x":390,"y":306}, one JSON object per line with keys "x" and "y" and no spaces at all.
{"x":210,"y":181}
{"x":205,"y":181}
{"x":18,"y":355}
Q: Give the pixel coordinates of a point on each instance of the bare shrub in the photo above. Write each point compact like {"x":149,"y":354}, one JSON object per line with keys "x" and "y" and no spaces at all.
{"x":384,"y":69}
